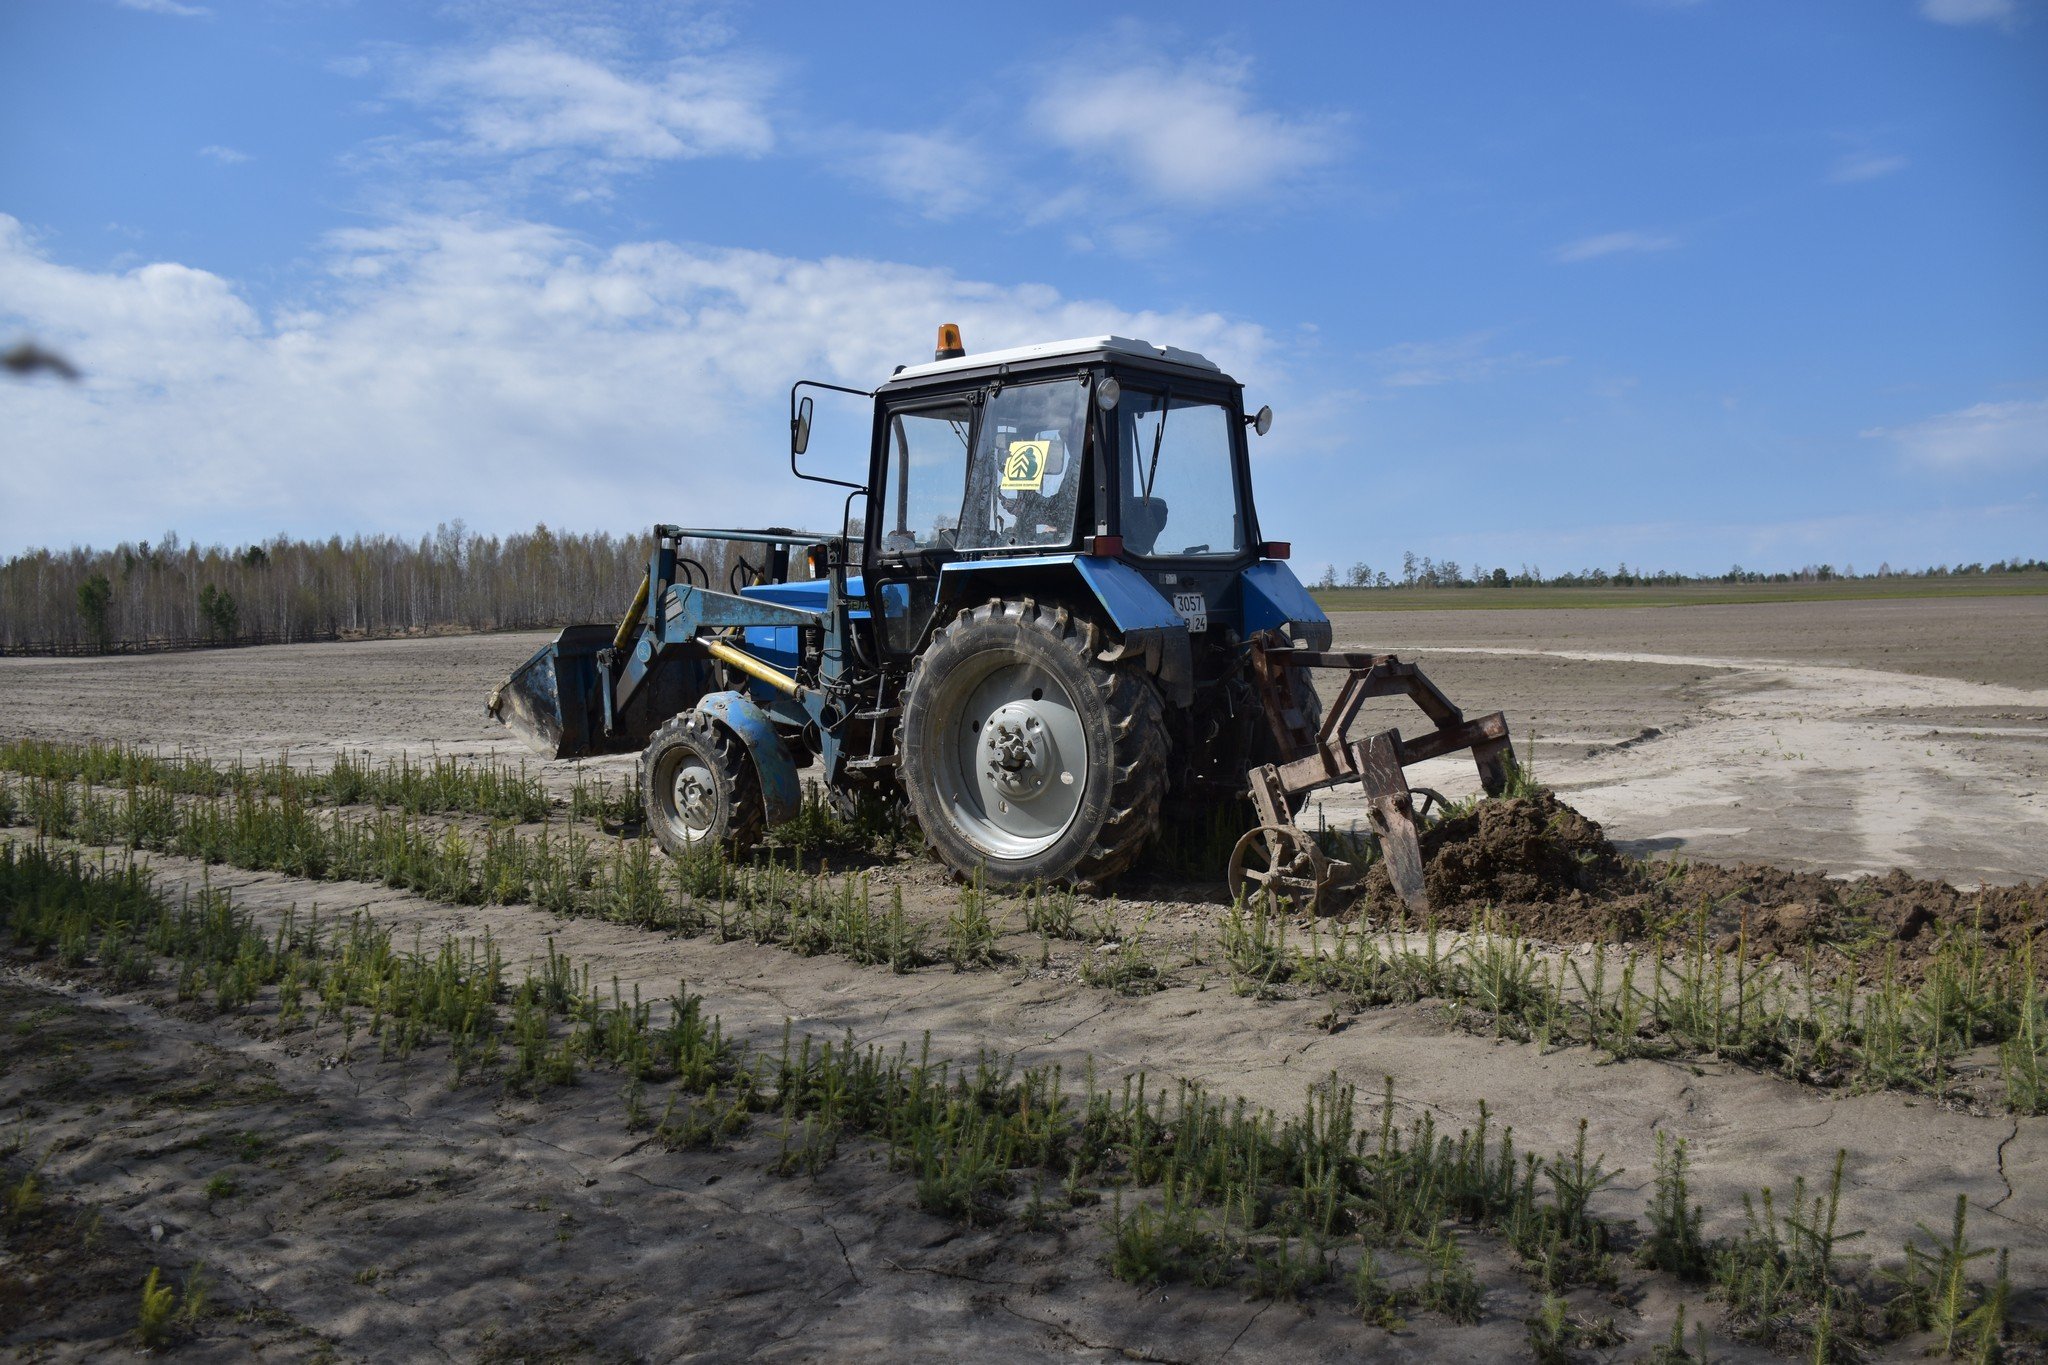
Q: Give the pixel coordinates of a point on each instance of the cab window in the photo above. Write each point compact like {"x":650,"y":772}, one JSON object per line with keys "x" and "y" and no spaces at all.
{"x":1025,"y":477}
{"x":923,"y":476}
{"x":1178,"y":488}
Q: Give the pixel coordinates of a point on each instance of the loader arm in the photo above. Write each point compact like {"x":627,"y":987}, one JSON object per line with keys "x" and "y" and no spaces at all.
{"x":597,"y":688}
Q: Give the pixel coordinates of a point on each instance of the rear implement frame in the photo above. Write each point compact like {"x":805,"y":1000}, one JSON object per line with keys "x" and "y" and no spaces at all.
{"x":1282,"y":859}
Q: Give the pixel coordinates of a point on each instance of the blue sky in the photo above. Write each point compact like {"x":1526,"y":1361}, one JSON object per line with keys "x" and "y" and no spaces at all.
{"x":1676,"y":284}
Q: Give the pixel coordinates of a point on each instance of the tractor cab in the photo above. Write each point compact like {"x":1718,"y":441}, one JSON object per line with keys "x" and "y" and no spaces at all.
{"x":1104,"y":447}
{"x":1120,"y":459}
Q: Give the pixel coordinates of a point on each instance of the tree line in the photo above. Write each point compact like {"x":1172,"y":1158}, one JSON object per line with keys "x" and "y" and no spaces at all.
{"x":455,"y":579}
{"x":1420,"y":571}
{"x":285,"y":589}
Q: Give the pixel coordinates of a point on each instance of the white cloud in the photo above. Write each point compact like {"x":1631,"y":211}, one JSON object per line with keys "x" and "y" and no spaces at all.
{"x":503,"y":372}
{"x":530,"y":96}
{"x":2003,"y":12}
{"x":939,"y":174}
{"x":182,"y":11}
{"x":226,"y":156}
{"x":1860,"y":166}
{"x":1188,"y":133}
{"x":1614,"y":243}
{"x":1460,"y":360}
{"x":1982,"y":436}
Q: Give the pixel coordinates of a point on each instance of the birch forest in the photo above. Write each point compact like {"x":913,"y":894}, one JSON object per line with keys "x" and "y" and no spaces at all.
{"x":145,"y":594}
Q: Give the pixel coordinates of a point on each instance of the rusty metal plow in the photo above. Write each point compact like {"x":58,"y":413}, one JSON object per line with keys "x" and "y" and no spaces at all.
{"x":1283,"y":860}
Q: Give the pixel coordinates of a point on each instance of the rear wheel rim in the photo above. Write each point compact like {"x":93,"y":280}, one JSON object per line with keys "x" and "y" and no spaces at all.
{"x":1013,"y":755}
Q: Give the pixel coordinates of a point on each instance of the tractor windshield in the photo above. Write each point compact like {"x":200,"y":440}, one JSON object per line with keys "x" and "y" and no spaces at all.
{"x":1025,"y":476}
{"x":1178,"y":488}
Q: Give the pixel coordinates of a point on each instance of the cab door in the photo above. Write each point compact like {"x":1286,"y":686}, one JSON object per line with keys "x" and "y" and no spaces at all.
{"x":914,"y":513}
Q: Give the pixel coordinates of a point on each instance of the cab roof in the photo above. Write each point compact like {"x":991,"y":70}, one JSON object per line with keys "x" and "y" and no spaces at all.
{"x":1051,"y":353}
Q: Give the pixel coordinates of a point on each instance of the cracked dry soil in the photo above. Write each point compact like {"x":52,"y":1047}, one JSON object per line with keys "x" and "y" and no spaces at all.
{"x":364,"y":1209}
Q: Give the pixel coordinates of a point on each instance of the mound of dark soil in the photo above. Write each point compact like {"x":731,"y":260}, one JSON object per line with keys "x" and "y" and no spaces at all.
{"x":1527,"y":851}
{"x":1785,"y":912}
{"x":1535,"y":865}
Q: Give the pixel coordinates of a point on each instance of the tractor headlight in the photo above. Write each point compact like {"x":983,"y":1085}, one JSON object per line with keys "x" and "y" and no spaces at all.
{"x":1107,"y":392}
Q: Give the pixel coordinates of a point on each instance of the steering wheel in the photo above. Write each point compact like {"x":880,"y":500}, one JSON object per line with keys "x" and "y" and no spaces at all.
{"x":1025,"y":509}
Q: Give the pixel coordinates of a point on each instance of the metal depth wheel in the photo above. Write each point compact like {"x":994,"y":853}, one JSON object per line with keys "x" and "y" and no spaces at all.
{"x":1026,"y":758}
{"x":1282,"y":862}
{"x":698,"y":787}
{"x":1430,"y":805}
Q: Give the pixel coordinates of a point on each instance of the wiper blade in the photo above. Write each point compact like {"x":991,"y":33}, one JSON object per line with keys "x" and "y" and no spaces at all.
{"x":1158,"y":436}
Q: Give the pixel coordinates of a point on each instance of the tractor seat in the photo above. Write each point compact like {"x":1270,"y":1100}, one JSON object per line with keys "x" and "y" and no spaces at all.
{"x":1143,"y":520}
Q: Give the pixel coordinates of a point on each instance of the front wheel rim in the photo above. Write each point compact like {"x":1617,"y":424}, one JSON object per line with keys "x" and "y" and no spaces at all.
{"x":1012,"y":755}
{"x":688,"y":793}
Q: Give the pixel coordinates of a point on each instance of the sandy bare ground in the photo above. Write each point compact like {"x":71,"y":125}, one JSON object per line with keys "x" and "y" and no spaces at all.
{"x":1842,"y":737}
{"x":386,"y":1209}
{"x":371,"y":1211}
{"x":1802,"y":734}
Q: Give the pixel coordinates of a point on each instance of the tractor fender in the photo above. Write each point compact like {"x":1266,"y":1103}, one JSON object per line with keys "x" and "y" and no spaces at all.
{"x":1275,"y":600}
{"x":1150,"y":628}
{"x":781,"y":790}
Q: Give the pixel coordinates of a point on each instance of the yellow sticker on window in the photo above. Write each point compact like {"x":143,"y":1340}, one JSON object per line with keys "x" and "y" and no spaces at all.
{"x":1024,"y":469}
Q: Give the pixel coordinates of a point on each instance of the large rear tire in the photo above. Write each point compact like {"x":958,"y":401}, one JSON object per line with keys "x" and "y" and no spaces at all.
{"x":698,"y":787}
{"x":1025,"y":755}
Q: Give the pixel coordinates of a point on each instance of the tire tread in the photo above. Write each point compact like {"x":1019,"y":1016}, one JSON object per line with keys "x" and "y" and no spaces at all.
{"x":1136,"y":723}
{"x":747,"y":818}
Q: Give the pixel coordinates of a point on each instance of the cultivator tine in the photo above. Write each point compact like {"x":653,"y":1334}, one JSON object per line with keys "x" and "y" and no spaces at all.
{"x":1393,"y":814}
{"x":1269,"y":796}
{"x":1496,"y":760}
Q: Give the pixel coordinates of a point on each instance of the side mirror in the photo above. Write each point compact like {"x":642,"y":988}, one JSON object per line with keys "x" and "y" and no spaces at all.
{"x":800,"y":428}
{"x":1262,"y":420}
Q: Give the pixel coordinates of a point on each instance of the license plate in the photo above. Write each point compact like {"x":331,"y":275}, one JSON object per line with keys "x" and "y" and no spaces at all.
{"x":1193,"y":609}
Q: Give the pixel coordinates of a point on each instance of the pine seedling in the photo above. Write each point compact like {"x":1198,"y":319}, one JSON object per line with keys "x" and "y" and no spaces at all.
{"x":970,"y":932}
{"x":1936,"y":1293}
{"x":1984,"y":1329}
{"x":1124,"y":965}
{"x":20,"y":1200}
{"x":1550,"y":1334}
{"x":1254,"y":946}
{"x":1049,"y":911}
{"x":1285,"y":1273}
{"x":1815,"y":1240}
{"x":1372,"y":1298}
{"x":192,"y":1302}
{"x":1674,"y":1243}
{"x":1672,"y":1350}
{"x":158,"y":1313}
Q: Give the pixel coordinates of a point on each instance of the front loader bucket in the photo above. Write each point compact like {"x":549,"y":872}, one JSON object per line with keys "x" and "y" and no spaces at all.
{"x":555,"y":700}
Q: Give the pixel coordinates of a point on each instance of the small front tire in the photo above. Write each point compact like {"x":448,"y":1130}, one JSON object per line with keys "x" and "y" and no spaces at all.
{"x":698,"y":787}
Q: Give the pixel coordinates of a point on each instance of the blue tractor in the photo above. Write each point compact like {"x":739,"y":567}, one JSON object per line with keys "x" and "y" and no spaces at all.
{"x":1049,"y":623}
